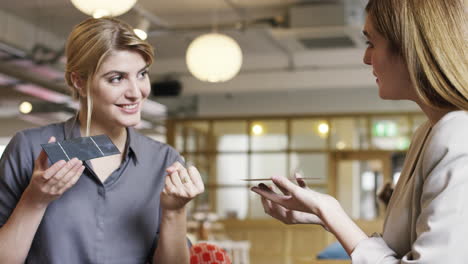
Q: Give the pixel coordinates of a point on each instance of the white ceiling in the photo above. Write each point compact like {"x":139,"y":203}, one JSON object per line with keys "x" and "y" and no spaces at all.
{"x":274,"y":57}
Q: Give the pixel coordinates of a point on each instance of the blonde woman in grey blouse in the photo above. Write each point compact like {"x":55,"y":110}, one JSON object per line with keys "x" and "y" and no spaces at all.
{"x":127,"y":208}
{"x":418,"y":52}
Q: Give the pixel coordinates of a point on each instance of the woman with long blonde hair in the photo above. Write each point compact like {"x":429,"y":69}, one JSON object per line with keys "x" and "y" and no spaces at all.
{"x":127,"y":208}
{"x":418,"y":52}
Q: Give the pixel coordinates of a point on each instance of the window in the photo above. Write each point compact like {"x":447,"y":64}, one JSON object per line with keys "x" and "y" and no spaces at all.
{"x":228,"y":150}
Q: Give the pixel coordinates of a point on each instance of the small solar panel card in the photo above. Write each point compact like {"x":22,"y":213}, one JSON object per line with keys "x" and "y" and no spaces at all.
{"x":83,"y":148}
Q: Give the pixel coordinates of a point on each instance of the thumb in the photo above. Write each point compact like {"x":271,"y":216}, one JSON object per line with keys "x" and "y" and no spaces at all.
{"x":300,"y":180}
{"x":285,"y":184}
{"x":42,"y":160}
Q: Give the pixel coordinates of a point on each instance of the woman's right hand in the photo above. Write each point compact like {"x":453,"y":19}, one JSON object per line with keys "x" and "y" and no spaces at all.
{"x":49,"y":183}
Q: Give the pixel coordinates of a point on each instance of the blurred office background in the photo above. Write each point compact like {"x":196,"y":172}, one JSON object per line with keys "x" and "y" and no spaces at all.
{"x":302,"y":100}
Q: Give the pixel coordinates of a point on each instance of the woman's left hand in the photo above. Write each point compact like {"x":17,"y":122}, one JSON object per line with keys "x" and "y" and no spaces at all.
{"x":296,"y":198}
{"x":182,"y":185}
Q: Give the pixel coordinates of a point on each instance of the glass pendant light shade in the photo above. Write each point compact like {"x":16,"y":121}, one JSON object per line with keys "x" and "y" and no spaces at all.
{"x":141,"y":30}
{"x":214,"y":57}
{"x":101,"y":8}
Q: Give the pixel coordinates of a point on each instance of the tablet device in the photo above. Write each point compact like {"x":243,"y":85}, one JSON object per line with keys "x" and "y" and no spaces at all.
{"x":83,"y":148}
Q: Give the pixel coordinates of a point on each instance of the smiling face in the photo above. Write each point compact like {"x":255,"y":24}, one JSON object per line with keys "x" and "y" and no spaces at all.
{"x":119,"y":89}
{"x":390,"y":70}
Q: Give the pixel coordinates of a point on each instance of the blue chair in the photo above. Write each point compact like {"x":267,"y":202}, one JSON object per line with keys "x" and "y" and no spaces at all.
{"x":333,"y":251}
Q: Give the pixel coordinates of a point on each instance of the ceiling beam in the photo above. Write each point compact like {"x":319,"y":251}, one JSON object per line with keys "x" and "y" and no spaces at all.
{"x":26,"y":75}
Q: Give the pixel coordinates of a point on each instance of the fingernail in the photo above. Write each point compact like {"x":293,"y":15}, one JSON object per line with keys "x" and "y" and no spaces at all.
{"x":189,"y":164}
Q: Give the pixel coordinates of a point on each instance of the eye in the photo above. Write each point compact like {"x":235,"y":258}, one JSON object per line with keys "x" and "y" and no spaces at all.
{"x":143,"y":74}
{"x":369,"y":44}
{"x":116,"y":79}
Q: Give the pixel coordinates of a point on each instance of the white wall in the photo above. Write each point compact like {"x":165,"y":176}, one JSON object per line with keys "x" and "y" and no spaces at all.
{"x":362,"y":100}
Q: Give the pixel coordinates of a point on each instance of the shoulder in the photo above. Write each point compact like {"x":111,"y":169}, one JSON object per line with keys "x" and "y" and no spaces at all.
{"x":55,"y":129}
{"x":32,"y":138}
{"x":20,"y":153}
{"x":447,"y":141}
{"x":154,"y":147}
{"x":154,"y":144}
{"x":450,"y":128}
{"x":450,"y":133}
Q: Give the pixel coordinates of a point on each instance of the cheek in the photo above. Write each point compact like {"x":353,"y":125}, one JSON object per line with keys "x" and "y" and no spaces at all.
{"x":377,"y":63}
{"x":145,"y":89}
{"x":106,"y":95}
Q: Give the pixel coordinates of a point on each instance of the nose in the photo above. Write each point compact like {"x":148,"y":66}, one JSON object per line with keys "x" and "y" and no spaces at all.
{"x":133,"y":89}
{"x":367,"y":59}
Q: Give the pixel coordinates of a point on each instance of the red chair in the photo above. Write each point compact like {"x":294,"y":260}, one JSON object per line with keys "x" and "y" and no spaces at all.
{"x":204,"y":253}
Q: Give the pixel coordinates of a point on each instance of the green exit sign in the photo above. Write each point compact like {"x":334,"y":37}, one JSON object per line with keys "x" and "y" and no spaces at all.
{"x":385,"y":129}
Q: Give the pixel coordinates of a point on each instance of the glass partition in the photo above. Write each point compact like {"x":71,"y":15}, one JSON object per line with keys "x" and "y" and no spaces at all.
{"x":268,"y":135}
{"x":309,"y":134}
{"x":349,"y":133}
{"x":228,"y":150}
{"x":391,"y":132}
{"x":230,"y":136}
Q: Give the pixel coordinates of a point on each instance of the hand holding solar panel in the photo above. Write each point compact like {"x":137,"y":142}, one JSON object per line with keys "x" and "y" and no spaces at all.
{"x":83,"y":148}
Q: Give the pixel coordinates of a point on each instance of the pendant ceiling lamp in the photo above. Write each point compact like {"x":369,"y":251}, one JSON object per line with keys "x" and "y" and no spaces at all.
{"x":141,"y":30}
{"x":214,"y":57}
{"x":101,"y":8}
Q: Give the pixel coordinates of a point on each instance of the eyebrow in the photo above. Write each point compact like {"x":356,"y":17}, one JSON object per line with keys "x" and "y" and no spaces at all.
{"x":123,"y":73}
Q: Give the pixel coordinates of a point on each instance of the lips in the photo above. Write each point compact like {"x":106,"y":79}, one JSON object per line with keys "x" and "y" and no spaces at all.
{"x":129,"y":108}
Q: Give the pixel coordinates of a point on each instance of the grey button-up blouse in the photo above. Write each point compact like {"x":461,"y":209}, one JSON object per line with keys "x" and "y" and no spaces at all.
{"x":112,"y":222}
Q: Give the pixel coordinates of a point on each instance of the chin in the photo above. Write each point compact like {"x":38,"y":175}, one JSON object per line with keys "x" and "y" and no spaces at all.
{"x":385,"y":97}
{"x":390,"y":97}
{"x":382,"y":94}
{"x":130,"y":121}
{"x":131,"y":124}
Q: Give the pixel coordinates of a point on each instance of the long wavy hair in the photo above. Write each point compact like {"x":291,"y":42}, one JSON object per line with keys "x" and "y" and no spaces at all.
{"x":431,"y":37}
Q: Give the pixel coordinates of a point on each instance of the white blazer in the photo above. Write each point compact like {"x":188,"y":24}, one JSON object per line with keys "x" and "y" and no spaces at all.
{"x":427,"y":218}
